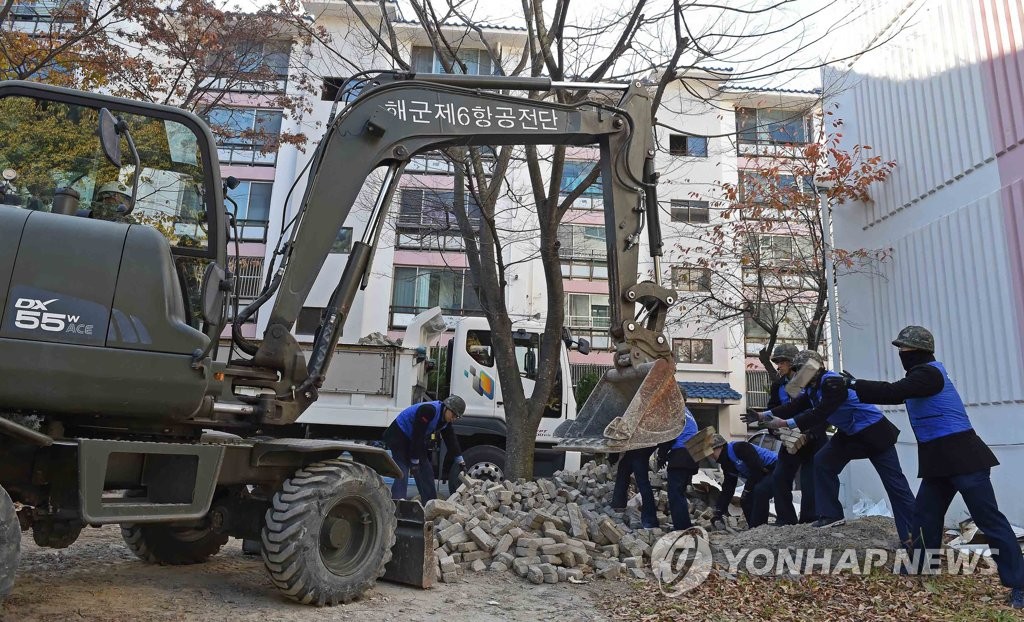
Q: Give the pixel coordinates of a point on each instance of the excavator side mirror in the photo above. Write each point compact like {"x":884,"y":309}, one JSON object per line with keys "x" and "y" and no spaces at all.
{"x":583,"y":346}
{"x":109,"y":137}
{"x":213,"y":292}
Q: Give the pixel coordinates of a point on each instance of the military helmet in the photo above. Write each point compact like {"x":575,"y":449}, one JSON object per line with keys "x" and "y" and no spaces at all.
{"x":916,"y":337}
{"x":784,"y":352}
{"x":718,"y":441}
{"x":807,"y":355}
{"x":115,"y":188}
{"x":455,"y":404}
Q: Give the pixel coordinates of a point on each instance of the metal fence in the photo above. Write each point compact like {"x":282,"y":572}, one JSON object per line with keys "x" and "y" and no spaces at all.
{"x":578,"y":370}
{"x":758,"y":384}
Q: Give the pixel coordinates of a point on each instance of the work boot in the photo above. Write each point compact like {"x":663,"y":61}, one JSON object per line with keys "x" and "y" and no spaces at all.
{"x":829,"y":522}
{"x":1017,"y":598}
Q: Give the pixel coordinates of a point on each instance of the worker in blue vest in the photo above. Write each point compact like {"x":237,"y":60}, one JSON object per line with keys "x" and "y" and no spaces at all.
{"x":755,"y":465}
{"x":681,"y":469}
{"x":863,"y":433}
{"x":803,"y":460}
{"x":952,"y":458}
{"x":407,"y":438}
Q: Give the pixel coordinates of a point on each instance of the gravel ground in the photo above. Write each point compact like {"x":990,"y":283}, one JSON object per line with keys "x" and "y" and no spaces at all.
{"x":98,"y":579}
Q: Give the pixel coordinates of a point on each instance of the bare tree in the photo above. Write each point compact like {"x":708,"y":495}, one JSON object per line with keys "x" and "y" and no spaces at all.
{"x":764,"y":261}
{"x":657,"y":43}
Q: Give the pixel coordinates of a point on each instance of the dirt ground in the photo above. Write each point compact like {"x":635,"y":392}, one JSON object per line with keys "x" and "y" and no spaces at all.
{"x":98,"y":579}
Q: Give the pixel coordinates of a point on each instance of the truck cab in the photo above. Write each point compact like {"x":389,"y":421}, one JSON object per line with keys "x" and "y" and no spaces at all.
{"x":368,"y":385}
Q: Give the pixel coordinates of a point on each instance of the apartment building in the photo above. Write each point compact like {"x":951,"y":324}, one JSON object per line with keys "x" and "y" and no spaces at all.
{"x":710,"y":134}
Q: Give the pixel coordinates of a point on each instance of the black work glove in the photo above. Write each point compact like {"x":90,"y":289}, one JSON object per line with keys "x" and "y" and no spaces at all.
{"x":751,"y":416}
{"x":849,"y":380}
{"x":717,"y":521}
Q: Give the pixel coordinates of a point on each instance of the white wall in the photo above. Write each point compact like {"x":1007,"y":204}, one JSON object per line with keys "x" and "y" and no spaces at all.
{"x":945,"y":103}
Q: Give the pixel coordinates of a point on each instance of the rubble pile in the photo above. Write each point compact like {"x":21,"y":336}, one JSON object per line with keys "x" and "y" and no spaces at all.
{"x":550,"y":530}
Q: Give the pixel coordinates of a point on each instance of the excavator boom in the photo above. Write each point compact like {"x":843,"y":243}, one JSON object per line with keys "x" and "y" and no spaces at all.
{"x":401,"y":115}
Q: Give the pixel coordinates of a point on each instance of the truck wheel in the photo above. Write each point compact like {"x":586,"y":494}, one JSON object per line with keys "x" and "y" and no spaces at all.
{"x":329,"y":533}
{"x":174,"y":545}
{"x":10,"y":543}
{"x":485,"y":462}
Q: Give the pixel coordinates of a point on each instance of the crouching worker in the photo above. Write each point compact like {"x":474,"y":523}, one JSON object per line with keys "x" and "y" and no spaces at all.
{"x":681,"y":469}
{"x":755,"y":465}
{"x":951,"y":456}
{"x":407,"y":438}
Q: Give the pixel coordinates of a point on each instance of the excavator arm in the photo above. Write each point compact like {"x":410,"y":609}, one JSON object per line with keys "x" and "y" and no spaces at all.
{"x":401,"y":115}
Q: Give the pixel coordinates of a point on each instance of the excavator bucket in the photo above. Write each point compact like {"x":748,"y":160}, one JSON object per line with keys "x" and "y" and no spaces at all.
{"x":412,"y":558}
{"x":630,"y":408}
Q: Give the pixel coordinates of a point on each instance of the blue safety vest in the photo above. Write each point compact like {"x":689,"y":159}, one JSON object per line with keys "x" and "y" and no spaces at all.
{"x":689,"y":429}
{"x":783,"y":396}
{"x":852,"y":416}
{"x":407,"y":417}
{"x":938,"y":415}
{"x":768,"y":458}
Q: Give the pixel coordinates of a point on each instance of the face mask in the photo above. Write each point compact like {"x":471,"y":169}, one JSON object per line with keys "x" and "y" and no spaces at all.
{"x":913,"y":358}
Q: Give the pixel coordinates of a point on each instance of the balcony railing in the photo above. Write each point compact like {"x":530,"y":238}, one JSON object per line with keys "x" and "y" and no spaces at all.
{"x":399,"y":316}
{"x":250,"y":230}
{"x":587,"y":321}
{"x":246,"y":155}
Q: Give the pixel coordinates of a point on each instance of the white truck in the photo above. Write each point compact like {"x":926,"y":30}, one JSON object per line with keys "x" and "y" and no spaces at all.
{"x":368,"y":385}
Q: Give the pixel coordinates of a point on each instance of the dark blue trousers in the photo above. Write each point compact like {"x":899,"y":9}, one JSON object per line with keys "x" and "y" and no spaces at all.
{"x":785,"y":473}
{"x":636,"y":463}
{"x":678,"y":506}
{"x":933,"y":499}
{"x":756,"y":500}
{"x":403,"y":454}
{"x":830,"y":461}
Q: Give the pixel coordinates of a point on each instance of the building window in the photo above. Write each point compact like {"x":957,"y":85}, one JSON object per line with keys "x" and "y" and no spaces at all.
{"x":770,"y":126}
{"x":690,"y":211}
{"x":433,"y":210}
{"x":756,"y":188}
{"x":692,"y":351}
{"x":573,"y":174}
{"x":780,"y":250}
{"x":691,"y":279}
{"x":252,"y":199}
{"x":308,"y":320}
{"x":583,"y":251}
{"x":43,"y":11}
{"x":246,"y":135}
{"x":587,"y":311}
{"x":417,"y":289}
{"x":343,"y":241}
{"x":477,"y":62}
{"x":686,"y":145}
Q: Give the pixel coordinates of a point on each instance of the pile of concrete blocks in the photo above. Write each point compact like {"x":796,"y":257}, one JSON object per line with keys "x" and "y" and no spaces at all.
{"x":793,"y":440}
{"x":548,"y":530}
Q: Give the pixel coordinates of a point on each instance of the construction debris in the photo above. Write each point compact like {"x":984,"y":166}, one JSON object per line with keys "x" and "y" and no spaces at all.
{"x":561,"y":529}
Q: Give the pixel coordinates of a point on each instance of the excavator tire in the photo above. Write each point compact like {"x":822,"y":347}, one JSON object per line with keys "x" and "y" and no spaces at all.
{"x":172,"y":545}
{"x":10,"y":544}
{"x":329,"y":533}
